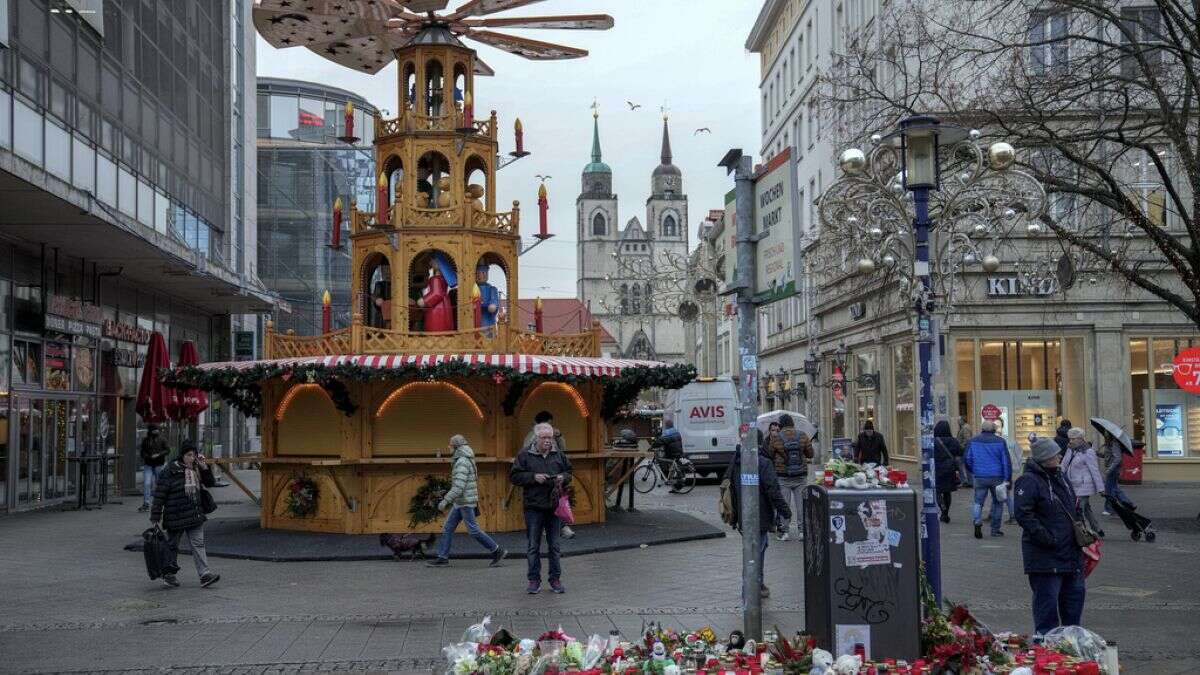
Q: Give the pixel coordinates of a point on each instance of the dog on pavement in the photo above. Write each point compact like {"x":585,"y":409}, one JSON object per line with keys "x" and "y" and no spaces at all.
{"x":412,"y":544}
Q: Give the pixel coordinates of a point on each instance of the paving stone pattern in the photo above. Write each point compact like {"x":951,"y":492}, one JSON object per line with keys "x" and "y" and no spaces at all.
{"x":74,"y":601}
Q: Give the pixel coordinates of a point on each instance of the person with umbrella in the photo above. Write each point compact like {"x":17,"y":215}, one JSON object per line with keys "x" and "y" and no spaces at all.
{"x":1116,"y":444}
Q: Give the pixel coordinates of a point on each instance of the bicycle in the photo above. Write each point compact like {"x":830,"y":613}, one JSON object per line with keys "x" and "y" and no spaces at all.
{"x":679,"y":472}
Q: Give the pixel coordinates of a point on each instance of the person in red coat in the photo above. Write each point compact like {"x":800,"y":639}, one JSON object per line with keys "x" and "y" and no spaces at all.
{"x":435,"y":300}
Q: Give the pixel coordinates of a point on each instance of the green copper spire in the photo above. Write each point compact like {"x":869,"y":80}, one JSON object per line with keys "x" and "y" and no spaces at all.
{"x":597,"y":165}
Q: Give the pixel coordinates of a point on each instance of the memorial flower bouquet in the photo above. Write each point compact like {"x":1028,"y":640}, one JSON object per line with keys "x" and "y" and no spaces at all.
{"x":301,"y":500}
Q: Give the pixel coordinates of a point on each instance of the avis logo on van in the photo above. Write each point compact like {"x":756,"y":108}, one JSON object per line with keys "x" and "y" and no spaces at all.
{"x":706,"y":412}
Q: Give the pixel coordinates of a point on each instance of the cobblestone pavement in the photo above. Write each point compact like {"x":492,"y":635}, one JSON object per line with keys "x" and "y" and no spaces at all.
{"x":74,"y":601}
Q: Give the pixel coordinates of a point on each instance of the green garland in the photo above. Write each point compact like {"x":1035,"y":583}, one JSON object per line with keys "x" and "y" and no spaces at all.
{"x":423,"y":507}
{"x":241,"y":387}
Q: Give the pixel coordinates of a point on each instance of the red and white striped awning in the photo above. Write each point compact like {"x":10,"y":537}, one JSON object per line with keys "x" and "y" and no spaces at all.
{"x":522,"y":363}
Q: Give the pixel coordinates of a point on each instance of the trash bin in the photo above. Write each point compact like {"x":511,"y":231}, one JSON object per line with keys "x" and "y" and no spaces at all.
{"x":1131,"y":467}
{"x":861,"y":571}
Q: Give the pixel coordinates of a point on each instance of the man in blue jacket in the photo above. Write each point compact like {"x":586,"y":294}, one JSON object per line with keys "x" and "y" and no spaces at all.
{"x":1053,"y":562}
{"x":987,"y":460}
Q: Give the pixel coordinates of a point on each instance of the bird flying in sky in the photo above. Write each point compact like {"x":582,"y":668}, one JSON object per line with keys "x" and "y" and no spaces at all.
{"x":632,"y":105}
{"x":542,"y":178}
{"x":702,"y":130}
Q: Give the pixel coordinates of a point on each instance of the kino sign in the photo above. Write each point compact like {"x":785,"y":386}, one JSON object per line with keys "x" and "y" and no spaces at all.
{"x":999,"y":287}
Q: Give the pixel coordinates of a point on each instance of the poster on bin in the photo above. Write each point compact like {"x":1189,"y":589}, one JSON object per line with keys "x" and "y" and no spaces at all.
{"x":1168,"y":420}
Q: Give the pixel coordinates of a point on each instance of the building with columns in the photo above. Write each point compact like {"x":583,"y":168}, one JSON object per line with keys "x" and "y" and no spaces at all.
{"x":608,"y":255}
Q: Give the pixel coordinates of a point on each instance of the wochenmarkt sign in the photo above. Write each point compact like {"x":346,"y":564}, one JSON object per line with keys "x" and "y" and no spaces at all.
{"x":775,"y":222}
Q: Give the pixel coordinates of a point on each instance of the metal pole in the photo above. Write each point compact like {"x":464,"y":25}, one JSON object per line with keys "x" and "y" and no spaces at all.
{"x":931,"y":548}
{"x":748,"y":409}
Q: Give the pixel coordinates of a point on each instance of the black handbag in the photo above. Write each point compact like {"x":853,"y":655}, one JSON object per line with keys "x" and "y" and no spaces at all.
{"x":207,"y":503}
{"x":1084,"y":536}
{"x":156,"y":549}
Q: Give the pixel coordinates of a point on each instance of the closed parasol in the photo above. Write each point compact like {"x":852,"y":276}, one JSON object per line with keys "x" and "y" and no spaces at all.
{"x":190,"y":402}
{"x":154,"y":400}
{"x":1106,"y":426}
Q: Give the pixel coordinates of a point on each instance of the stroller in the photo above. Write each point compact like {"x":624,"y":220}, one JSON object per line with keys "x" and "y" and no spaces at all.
{"x":1137,"y":524}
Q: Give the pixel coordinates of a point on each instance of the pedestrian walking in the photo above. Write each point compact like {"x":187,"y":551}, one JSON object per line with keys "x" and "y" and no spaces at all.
{"x":1114,"y":458}
{"x":771,"y":507}
{"x":790,"y":451}
{"x":1061,"y":435}
{"x":1083,"y":471}
{"x":462,"y":501}
{"x":154,"y":453}
{"x":870,"y":447}
{"x":539,"y":470}
{"x":1015,"y":460}
{"x":987,"y":458}
{"x":178,"y":508}
{"x":947,"y":453}
{"x":1052,"y":558}
{"x":546,"y":417}
{"x":964,"y":439}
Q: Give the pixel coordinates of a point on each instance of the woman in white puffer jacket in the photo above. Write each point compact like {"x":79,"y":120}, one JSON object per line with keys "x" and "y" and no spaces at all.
{"x":1082,"y":468}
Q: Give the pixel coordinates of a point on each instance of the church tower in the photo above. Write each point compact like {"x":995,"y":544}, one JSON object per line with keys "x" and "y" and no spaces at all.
{"x":598,"y":228}
{"x":666,"y":208}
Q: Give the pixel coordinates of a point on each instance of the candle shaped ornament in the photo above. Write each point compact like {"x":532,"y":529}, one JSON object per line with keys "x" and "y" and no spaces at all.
{"x":519,"y":131}
{"x":543,"y":213}
{"x":326,"y":313}
{"x":381,"y":200}
{"x":348,"y":125}
{"x":477,"y":305}
{"x":537,"y":316}
{"x":335,"y":234}
{"x":468,"y":113}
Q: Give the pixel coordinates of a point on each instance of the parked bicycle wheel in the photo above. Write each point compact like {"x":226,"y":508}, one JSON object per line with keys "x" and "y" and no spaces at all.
{"x":645,"y":478}
{"x":683,"y":477}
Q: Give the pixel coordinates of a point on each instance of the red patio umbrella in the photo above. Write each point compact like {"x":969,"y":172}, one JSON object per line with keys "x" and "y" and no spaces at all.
{"x":188,"y":403}
{"x":155,"y":399}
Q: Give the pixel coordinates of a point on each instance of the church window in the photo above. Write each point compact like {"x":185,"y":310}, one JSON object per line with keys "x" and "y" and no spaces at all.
{"x":636,"y":301}
{"x":599,"y":226}
{"x":624,"y":298}
{"x":670,"y":227}
{"x":649,"y":302}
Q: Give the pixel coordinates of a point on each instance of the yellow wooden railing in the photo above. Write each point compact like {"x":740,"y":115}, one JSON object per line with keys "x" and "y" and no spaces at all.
{"x":361,"y":339}
{"x":410,"y":121}
{"x":403,"y":216}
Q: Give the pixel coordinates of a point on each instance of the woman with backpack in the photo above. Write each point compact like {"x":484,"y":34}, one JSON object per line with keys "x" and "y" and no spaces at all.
{"x":790,"y":451}
{"x":947,"y":452}
{"x":463,"y":502}
{"x":180,"y":506}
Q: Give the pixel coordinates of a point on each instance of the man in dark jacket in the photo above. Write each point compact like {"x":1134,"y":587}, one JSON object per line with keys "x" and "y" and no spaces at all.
{"x":1060,"y":435}
{"x":1053,"y":562}
{"x":988,"y":461}
{"x":790,"y":451}
{"x":771,"y":505}
{"x":542,"y":470}
{"x":154,"y":453}
{"x":870,"y":447}
{"x":177,"y":509}
{"x":671,"y":442}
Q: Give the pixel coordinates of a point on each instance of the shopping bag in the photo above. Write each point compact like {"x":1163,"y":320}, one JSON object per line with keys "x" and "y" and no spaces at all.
{"x":1091,"y":557}
{"x":157,"y":551}
{"x":563,"y":510}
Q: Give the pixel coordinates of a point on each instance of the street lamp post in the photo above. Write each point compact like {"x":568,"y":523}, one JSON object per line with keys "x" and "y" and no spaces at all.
{"x":884,"y":207}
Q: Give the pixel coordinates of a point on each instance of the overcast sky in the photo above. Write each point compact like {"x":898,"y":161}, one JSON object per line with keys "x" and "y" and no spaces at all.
{"x":686,"y":54}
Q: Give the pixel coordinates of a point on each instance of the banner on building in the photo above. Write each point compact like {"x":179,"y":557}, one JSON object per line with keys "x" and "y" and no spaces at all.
{"x":727,"y":247}
{"x":775,"y":223}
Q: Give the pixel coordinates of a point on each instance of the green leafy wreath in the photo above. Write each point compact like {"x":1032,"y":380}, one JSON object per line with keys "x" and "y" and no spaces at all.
{"x":423,"y":507}
{"x":242,"y":387}
{"x":302,"y":494}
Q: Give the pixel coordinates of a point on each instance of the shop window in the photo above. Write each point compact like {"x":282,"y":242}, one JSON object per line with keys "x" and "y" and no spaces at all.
{"x":964,"y":370}
{"x":904,"y":437}
{"x":27,"y":363}
{"x":1163,"y":415}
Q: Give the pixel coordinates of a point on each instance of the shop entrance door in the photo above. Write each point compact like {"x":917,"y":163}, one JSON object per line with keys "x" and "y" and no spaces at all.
{"x":44,"y":436}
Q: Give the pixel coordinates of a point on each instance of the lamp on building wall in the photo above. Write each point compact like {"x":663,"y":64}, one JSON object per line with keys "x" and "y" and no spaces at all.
{"x":841,"y":357}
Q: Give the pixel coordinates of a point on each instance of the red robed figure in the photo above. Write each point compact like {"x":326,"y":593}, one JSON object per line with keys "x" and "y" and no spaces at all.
{"x":435,"y":299}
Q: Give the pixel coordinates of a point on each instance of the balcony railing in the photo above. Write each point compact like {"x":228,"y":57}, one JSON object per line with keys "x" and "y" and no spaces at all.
{"x":412,"y":121}
{"x":462,"y":216}
{"x":499,"y":339}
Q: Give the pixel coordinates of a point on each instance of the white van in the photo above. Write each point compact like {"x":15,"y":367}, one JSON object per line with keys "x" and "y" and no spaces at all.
{"x":706,"y":414}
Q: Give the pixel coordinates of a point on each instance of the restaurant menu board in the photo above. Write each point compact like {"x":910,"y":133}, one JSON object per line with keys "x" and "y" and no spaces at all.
{"x":58,"y":366}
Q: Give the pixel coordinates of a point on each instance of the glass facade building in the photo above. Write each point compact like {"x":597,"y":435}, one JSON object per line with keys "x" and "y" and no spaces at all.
{"x":118,"y":163}
{"x":302,"y":170}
